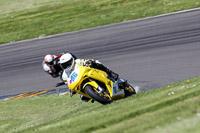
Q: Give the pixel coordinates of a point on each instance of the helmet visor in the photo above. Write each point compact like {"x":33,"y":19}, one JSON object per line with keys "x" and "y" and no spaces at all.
{"x":67,"y":64}
{"x":50,"y":63}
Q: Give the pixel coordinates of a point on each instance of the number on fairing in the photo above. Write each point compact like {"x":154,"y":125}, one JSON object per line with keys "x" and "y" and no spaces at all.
{"x":74,"y":76}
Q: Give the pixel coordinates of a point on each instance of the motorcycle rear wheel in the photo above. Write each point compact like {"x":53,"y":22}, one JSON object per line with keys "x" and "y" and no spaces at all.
{"x":99,"y":97}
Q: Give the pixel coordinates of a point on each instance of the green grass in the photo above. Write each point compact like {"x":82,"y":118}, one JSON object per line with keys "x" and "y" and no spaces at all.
{"x":25,"y":19}
{"x":170,"y":109}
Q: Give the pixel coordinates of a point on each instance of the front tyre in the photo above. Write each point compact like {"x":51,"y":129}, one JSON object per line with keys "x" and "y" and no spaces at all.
{"x":129,"y":90}
{"x":100,"y":97}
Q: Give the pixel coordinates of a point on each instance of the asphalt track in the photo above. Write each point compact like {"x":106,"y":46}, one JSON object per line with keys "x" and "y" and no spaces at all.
{"x":150,"y":53}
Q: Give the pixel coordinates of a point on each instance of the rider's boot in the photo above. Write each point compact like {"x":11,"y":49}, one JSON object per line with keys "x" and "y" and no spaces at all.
{"x":84,"y":99}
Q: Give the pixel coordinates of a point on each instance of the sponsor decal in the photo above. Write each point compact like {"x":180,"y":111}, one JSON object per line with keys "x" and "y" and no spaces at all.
{"x":73,"y":77}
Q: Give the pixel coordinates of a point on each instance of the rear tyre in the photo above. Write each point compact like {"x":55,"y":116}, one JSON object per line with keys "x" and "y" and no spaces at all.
{"x":97,"y":96}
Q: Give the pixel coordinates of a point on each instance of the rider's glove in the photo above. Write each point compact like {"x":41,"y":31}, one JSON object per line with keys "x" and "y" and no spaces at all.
{"x":88,"y":63}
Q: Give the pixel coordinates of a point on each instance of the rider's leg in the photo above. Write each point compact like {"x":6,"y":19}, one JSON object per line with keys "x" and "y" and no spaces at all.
{"x":106,"y":69}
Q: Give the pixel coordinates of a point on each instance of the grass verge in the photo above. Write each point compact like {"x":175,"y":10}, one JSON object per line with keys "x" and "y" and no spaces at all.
{"x":25,"y":19}
{"x":174,"y":109}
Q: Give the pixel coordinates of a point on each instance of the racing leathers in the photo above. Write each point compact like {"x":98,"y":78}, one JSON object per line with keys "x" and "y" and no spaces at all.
{"x":55,"y":70}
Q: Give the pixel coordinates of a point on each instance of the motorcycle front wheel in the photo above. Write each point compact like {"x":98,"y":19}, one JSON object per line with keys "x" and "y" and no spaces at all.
{"x":100,"y":97}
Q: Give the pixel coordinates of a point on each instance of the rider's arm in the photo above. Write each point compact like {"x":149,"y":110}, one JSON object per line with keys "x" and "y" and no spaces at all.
{"x":53,"y":74}
{"x":57,"y":57}
{"x":46,"y":68}
{"x":95,"y":64}
{"x":64,"y":77}
{"x":49,"y":70}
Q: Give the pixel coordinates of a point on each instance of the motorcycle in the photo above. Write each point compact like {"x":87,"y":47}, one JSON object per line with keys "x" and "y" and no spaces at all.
{"x":95,"y":84}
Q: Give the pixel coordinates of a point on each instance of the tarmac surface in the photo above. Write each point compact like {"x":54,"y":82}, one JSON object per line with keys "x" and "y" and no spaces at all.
{"x":149,"y":53}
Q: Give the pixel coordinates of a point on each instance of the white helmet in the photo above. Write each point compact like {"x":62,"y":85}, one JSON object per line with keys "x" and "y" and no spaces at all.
{"x":49,"y":59}
{"x":67,"y":61}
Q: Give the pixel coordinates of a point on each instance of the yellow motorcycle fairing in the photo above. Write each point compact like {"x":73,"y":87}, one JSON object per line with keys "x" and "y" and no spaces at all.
{"x":82,"y":73}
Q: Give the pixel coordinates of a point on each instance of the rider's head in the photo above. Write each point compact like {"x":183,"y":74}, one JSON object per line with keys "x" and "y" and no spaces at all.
{"x":49,"y":59}
{"x":67,"y":61}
